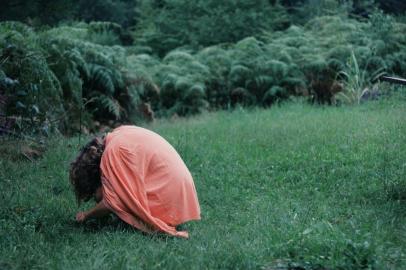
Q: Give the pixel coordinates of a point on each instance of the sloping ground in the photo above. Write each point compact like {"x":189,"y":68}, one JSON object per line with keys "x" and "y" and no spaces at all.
{"x":294,"y":186}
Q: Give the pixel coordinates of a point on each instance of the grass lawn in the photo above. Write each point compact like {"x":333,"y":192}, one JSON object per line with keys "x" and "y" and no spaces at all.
{"x":292,"y":186}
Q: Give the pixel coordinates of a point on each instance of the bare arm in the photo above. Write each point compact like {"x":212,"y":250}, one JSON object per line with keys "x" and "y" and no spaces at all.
{"x":99,"y":210}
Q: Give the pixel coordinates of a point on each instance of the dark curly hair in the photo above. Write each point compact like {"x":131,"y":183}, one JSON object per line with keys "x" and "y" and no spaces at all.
{"x":84,"y":173}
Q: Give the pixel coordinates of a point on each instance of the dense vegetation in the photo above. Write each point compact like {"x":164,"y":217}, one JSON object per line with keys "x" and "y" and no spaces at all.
{"x":296,"y":187}
{"x":166,"y":58}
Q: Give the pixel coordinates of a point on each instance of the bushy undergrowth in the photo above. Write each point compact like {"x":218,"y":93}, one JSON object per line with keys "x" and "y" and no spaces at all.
{"x":67,"y":74}
{"x":70,"y":76}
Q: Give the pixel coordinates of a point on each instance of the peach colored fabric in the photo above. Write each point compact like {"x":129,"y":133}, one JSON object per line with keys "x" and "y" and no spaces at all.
{"x":146,"y":183}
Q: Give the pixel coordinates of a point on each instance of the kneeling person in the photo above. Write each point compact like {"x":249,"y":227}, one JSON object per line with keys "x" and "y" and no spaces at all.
{"x":139,"y":176}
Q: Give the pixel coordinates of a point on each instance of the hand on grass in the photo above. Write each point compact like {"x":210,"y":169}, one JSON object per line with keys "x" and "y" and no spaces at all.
{"x":98,"y":210}
{"x":81,"y":217}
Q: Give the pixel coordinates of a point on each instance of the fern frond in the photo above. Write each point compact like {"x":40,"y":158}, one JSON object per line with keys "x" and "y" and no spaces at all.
{"x":100,"y":78}
{"x":196,"y":91}
{"x":178,"y":56}
{"x":274,"y":94}
{"x":183,"y":83}
{"x":109,"y":103}
{"x":239,"y":72}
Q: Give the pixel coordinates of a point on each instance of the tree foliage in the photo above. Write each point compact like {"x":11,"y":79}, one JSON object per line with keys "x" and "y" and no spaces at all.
{"x":166,"y":25}
{"x":52,"y":12}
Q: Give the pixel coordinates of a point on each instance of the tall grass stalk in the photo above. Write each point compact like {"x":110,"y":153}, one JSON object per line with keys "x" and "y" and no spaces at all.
{"x":357,"y":80}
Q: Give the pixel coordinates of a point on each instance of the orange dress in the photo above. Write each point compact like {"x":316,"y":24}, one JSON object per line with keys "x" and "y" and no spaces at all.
{"x":146,"y":183}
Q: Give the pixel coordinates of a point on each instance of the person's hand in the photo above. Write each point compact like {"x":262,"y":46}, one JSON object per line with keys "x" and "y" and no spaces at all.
{"x":81,"y":217}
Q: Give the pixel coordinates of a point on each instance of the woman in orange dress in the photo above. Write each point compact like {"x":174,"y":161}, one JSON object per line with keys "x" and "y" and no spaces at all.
{"x":140,"y":177}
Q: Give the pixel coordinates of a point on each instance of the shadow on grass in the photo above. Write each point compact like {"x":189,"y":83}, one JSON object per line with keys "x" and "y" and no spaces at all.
{"x":397,"y":192}
{"x":114,"y":224}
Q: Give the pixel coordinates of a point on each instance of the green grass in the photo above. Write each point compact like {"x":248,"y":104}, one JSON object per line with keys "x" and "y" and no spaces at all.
{"x":292,"y":186}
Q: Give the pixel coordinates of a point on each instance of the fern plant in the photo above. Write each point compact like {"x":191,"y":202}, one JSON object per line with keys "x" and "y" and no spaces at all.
{"x":22,"y":59}
{"x":357,"y":81}
{"x":218,"y":60}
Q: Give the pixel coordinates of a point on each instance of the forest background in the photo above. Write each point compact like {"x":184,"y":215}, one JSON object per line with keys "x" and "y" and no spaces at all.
{"x":71,"y":66}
